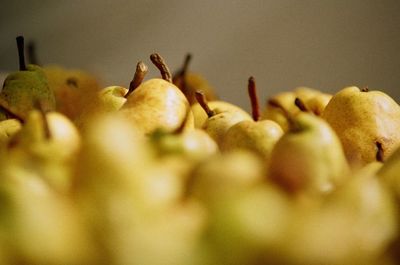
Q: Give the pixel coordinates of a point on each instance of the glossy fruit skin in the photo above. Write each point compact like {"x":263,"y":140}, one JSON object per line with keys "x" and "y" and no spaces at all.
{"x":363,"y":119}
{"x":157,"y":104}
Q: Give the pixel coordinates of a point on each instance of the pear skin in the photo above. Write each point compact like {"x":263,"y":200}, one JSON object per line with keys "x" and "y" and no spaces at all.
{"x":200,"y":117}
{"x":23,"y":89}
{"x":259,"y":137}
{"x":309,"y":157}
{"x":156,"y":104}
{"x":367,"y":123}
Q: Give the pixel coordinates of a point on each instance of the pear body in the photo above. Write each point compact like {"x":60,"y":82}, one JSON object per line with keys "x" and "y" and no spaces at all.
{"x":363,"y":120}
{"x":23,"y":90}
{"x":200,"y":117}
{"x":309,"y":158}
{"x":217,"y":125}
{"x":157,"y":104}
{"x":259,"y":137}
{"x":73,"y":89}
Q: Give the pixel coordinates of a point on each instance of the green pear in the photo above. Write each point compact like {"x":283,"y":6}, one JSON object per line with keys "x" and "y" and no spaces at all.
{"x":258,"y":136}
{"x":367,"y":123}
{"x":23,"y":89}
{"x":309,"y":157}
{"x":218,"y":122}
{"x":189,"y":83}
{"x":248,"y":227}
{"x":158,"y":104}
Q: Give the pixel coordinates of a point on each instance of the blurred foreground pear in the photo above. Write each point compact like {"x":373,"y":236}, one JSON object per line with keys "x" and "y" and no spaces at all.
{"x":38,"y":225}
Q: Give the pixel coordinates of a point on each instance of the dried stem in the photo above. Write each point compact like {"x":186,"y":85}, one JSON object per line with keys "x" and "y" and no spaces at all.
{"x":379,"y":152}
{"x":159,"y":62}
{"x":141,"y":71}
{"x":201,"y":98}
{"x":255,"y":106}
{"x":300,"y":104}
{"x":21,"y":54}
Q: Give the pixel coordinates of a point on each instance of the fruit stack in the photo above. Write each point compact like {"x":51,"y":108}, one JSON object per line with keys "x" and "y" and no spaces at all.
{"x":165,"y":173}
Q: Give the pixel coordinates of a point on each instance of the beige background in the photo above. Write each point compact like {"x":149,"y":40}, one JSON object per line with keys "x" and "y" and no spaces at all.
{"x":283,"y":43}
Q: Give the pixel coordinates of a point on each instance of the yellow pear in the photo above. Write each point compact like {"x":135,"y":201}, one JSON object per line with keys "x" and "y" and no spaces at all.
{"x":200,"y":117}
{"x":218,"y":122}
{"x":367,"y":123}
{"x":257,"y":135}
{"x":158,"y":104}
{"x":309,"y":157}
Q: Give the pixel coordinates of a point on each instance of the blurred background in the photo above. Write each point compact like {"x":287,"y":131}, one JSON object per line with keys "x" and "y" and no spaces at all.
{"x":283,"y":43}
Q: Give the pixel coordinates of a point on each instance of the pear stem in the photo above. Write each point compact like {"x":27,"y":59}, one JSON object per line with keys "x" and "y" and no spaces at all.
{"x":364,"y":89}
{"x":32,"y":54}
{"x":21,"y":55}
{"x":255,"y":105}
{"x":379,"y":152}
{"x":72,"y":82}
{"x":159,"y":62}
{"x":141,"y":71}
{"x":181,"y":74}
{"x":201,"y":98}
{"x":300,"y":104}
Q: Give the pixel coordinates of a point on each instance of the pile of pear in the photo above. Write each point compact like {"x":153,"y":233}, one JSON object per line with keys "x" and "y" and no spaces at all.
{"x":162,"y":172}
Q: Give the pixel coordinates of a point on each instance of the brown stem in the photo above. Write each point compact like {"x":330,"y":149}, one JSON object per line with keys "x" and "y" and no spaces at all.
{"x":300,"y":104}
{"x":141,"y":71}
{"x":32,"y":54}
{"x":364,"y":89}
{"x":21,"y":55}
{"x":180,"y":77}
{"x":201,"y":98}
{"x":71,"y":81}
{"x":379,"y":152}
{"x":159,"y":62}
{"x":255,"y":105}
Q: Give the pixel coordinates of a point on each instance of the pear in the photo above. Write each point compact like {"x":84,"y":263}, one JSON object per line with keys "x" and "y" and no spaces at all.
{"x":218,"y":122}
{"x":225,"y":176}
{"x":38,"y":225}
{"x":200,"y":117}
{"x":22,"y":89}
{"x":73,"y":88}
{"x":189,"y":83}
{"x":158,"y":104}
{"x":248,"y":227}
{"x":309,"y":157}
{"x":314,"y":101}
{"x":258,"y":136}
{"x":47,"y":144}
{"x":355,"y":225}
{"x":367,"y":123}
